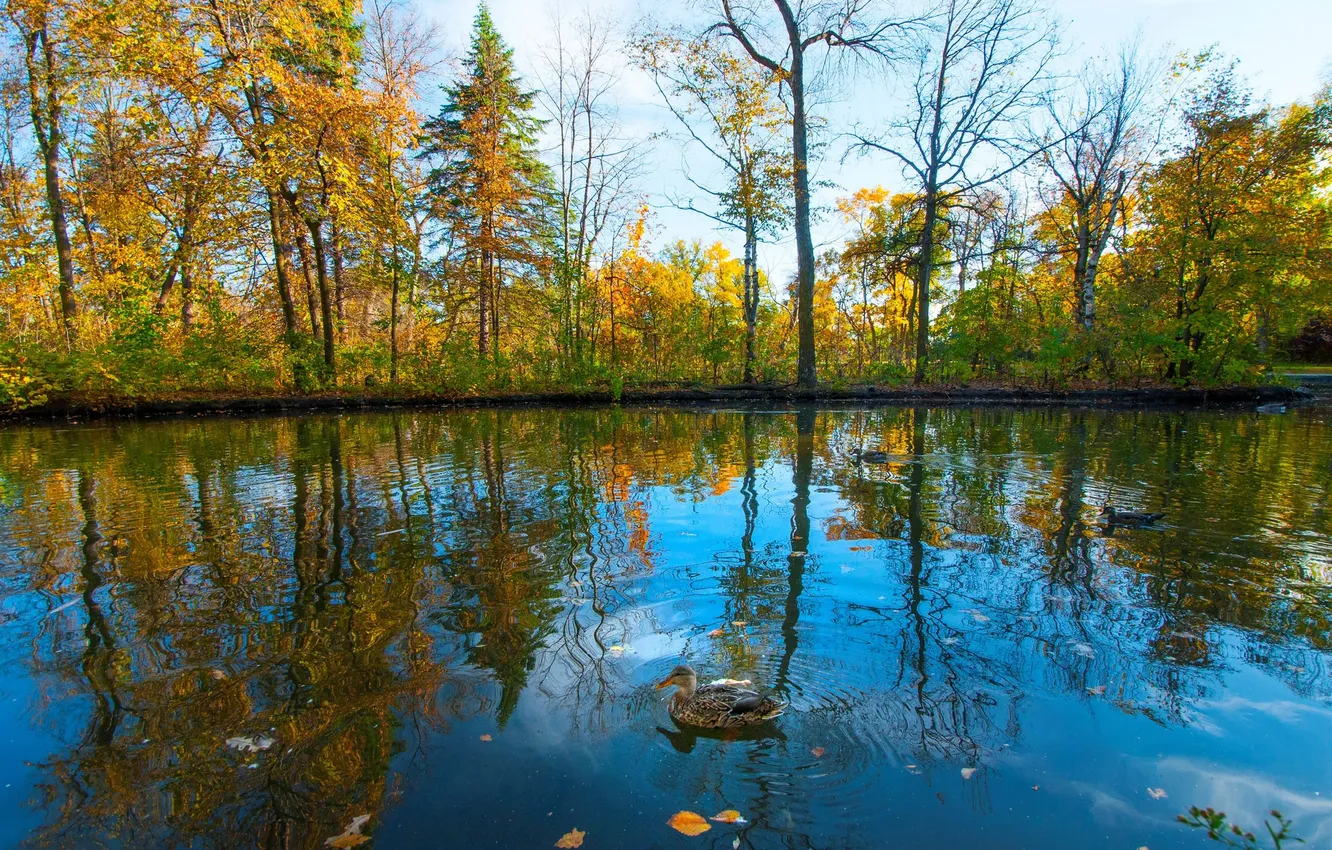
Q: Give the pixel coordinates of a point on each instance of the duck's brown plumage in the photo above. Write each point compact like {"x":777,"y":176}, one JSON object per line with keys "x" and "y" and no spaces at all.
{"x":717,"y":706}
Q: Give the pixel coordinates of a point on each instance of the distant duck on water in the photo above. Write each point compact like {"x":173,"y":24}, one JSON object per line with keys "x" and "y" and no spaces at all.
{"x":870,"y":457}
{"x":718,"y":706}
{"x":1114,"y":516}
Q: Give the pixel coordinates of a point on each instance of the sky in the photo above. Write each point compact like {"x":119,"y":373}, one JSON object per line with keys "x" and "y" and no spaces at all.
{"x":1283,"y":48}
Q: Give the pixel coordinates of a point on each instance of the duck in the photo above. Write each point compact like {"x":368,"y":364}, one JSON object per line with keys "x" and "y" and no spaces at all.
{"x":720,"y":706}
{"x":1114,"y":516}
{"x":870,"y":457}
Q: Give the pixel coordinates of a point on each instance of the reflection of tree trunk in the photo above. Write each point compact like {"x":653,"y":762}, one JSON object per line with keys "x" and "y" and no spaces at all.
{"x":749,"y":506}
{"x":1068,"y":535}
{"x":299,"y":508}
{"x":339,"y":507}
{"x":804,"y":465}
{"x":916,"y":547}
{"x":98,"y":654}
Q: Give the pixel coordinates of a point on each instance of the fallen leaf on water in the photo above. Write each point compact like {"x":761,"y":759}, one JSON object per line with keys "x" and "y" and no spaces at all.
{"x":572,"y":838}
{"x":728,"y":816}
{"x":817,"y":752}
{"x":716,"y":633}
{"x":1156,"y":793}
{"x":1099,"y":690}
{"x":250,"y":745}
{"x":911,"y":767}
{"x":739,"y":623}
{"x":968,"y":772}
{"x":688,"y":823}
{"x":351,"y":836}
{"x":487,"y":738}
{"x":620,"y":649}
{"x":862,"y":548}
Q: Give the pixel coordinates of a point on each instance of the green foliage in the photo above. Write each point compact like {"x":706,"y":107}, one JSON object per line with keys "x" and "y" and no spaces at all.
{"x":1232,"y":835}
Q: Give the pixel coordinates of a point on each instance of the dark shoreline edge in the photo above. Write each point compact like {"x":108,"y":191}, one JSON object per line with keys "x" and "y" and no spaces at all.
{"x":1150,"y":398}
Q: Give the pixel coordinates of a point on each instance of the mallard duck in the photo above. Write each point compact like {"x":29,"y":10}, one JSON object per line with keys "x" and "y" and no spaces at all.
{"x":1114,"y":516}
{"x":870,"y":457}
{"x":717,"y":706}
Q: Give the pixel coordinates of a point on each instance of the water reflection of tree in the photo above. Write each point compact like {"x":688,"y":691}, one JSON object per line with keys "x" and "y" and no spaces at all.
{"x":202,"y":637}
{"x":358,"y":581}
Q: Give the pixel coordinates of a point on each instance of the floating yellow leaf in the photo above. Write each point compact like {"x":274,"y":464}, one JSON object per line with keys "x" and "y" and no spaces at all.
{"x":862,"y":548}
{"x":487,"y":738}
{"x":728,"y":816}
{"x":572,"y":838}
{"x":817,"y":752}
{"x":716,"y":633}
{"x":688,"y":823}
{"x":739,"y":623}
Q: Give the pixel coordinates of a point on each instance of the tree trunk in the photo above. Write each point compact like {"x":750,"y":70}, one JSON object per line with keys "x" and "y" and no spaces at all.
{"x":393,"y":316}
{"x":750,"y":296}
{"x":325,"y":294}
{"x":339,"y":275}
{"x":304,"y":250}
{"x":483,"y":305}
{"x":282,"y":264}
{"x":924,"y":273}
{"x":807,"y":368}
{"x":45,"y":105}
{"x":186,"y":300}
{"x":1094,"y":252}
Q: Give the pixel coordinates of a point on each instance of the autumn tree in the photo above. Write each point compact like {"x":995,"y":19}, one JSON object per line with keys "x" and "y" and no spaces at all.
{"x":730,"y":111}
{"x":489,"y":186}
{"x":1235,"y":215}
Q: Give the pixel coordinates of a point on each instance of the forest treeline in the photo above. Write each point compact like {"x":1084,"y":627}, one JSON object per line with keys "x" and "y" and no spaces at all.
{"x":250,"y":196}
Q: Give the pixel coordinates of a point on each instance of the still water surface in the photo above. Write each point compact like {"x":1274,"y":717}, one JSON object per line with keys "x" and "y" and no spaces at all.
{"x":451,"y":623}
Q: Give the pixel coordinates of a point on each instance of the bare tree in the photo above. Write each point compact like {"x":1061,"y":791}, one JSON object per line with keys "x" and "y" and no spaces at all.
{"x":980,"y":73}
{"x":596,"y":164}
{"x":784,"y":46}
{"x":1100,"y":152}
{"x":400,"y":49}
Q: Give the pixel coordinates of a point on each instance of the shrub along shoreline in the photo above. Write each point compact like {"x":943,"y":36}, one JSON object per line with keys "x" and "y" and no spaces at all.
{"x":1095,"y":397}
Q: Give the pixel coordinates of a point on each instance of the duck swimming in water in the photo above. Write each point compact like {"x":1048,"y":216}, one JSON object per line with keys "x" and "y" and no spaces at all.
{"x":717,"y":706}
{"x":1114,"y":516}
{"x":870,"y":457}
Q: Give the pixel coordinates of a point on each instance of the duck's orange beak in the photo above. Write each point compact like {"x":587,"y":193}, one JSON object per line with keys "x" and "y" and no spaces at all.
{"x":665,"y":684}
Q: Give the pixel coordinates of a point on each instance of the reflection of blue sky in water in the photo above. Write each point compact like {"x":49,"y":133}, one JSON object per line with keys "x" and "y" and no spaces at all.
{"x":383,"y":590}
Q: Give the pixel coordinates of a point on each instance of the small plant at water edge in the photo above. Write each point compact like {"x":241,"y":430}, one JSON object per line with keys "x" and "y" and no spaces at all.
{"x":1232,"y":835}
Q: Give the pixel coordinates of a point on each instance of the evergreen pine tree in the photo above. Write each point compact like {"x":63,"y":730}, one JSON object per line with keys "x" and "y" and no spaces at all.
{"x":490,"y":184}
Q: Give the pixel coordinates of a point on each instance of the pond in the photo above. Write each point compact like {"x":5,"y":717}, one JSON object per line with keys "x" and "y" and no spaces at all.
{"x":442,"y":629}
